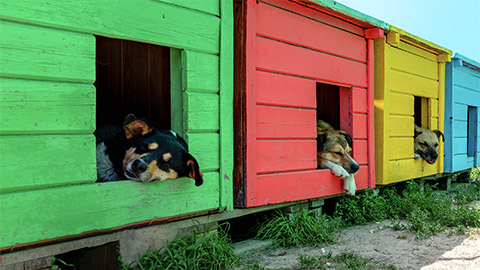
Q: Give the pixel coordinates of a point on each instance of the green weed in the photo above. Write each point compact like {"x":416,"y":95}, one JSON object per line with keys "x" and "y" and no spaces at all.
{"x":209,"y":251}
{"x":346,"y":260}
{"x":300,"y":228}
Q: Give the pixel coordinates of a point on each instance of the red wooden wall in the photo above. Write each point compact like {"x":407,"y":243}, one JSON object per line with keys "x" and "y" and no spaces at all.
{"x":284,"y":51}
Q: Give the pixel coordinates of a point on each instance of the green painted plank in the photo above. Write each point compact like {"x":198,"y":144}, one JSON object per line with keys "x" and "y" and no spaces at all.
{"x":203,"y":112}
{"x":43,"y":53}
{"x":226,"y":108}
{"x":176,"y":94}
{"x":208,"y":6}
{"x":205,"y":148}
{"x":140,"y":20}
{"x":46,"y":214}
{"x":33,"y":162}
{"x":200,"y":72}
{"x":44,"y":107}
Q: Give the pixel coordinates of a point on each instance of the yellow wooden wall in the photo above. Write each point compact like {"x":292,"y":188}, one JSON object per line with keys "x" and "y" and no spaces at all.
{"x":406,"y":66}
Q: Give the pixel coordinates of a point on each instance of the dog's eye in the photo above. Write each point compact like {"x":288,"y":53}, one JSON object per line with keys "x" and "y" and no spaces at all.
{"x":436,"y":144}
{"x":424,"y":144}
{"x":339,"y":153}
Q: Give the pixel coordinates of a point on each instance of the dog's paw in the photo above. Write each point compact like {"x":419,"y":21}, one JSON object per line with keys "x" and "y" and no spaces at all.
{"x":349,"y":185}
{"x":340,"y":172}
{"x":416,"y":156}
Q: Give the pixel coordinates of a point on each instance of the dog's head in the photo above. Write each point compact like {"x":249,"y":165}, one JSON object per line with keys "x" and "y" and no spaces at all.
{"x":336,"y":146}
{"x":156,"y":155}
{"x":426,"y":143}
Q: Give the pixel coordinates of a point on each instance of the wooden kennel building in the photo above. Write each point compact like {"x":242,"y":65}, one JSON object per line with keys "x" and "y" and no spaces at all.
{"x":296,"y":62}
{"x":462,"y":103}
{"x":409,"y":90}
{"x":64,"y":67}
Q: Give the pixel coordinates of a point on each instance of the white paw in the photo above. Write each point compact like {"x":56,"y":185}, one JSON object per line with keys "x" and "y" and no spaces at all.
{"x":416,"y":156}
{"x":349,"y":185}
{"x":340,"y":172}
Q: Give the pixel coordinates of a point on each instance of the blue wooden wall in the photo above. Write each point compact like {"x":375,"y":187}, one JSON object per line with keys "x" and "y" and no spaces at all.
{"x":462,"y":117}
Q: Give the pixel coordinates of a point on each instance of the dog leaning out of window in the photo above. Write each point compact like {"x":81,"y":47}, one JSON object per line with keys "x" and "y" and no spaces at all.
{"x":333,"y":152}
{"x":426,"y":144}
{"x":137,"y":151}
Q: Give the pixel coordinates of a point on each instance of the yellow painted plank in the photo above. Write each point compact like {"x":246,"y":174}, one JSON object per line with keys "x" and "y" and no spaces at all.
{"x":418,"y":50}
{"x":399,"y":125}
{"x":402,"y":104}
{"x":434,"y":112}
{"x":410,"y":84}
{"x":407,"y":169}
{"x":400,"y":148}
{"x":433,"y":123}
{"x":420,"y":41}
{"x":381,"y":76}
{"x":410,"y":63}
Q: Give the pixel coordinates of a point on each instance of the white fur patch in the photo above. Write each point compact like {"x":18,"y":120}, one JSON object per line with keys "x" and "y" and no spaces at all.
{"x":105,"y":169}
{"x":349,"y":185}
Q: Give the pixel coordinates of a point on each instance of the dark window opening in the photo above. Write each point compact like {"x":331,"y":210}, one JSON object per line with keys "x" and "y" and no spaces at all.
{"x":328,"y":104}
{"x":472,"y":127}
{"x":132,"y":77}
{"x":420,"y":113}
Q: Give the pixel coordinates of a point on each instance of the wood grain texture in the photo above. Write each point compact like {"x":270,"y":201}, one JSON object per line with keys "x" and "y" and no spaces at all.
{"x":43,"y":107}
{"x":207,"y":6}
{"x":280,"y":90}
{"x":33,"y":162}
{"x":285,"y":155}
{"x":200,"y":72}
{"x":51,"y":54}
{"x":287,"y":26}
{"x":152,"y":22}
{"x":203,"y":112}
{"x":56,"y":212}
{"x":205,"y":148}
{"x":277,"y":122}
{"x":305,"y":63}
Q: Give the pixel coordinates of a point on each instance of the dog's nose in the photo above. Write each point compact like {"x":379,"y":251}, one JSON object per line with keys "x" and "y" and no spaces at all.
{"x":355,"y":168}
{"x":434,"y":155}
{"x":139,"y":166}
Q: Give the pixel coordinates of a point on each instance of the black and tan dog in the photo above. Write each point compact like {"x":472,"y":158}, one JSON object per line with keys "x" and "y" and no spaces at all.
{"x":426,"y":144}
{"x":139,"y":152}
{"x":333,"y":152}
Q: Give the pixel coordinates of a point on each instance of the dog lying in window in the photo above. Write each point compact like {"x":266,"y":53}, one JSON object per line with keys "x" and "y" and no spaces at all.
{"x":139,"y":152}
{"x":426,"y":144}
{"x":333,"y":152}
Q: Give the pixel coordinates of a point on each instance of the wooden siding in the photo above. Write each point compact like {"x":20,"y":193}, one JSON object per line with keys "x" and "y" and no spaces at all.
{"x":282,"y":70}
{"x":47,"y":68}
{"x":403,"y":71}
{"x":462,"y":90}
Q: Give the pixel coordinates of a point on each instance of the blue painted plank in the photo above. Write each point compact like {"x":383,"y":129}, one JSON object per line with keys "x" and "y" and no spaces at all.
{"x":466,"y":96}
{"x":460,"y":111}
{"x":466,"y":78}
{"x":472,"y":131}
{"x":460,"y":146}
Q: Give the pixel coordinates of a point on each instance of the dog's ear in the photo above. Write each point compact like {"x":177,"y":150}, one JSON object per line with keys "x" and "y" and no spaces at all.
{"x":134,"y":126}
{"x":418,"y":131}
{"x":192,"y":169}
{"x":321,"y":139}
{"x":347,"y":136}
{"x":439,"y":133}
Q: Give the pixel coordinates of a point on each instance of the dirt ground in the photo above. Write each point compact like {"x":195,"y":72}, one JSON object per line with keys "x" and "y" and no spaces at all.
{"x":400,"y":248}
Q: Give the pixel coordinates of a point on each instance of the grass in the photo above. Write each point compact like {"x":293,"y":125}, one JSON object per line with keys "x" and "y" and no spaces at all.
{"x":300,"y":228}
{"x":345,"y":260}
{"x":195,"y":251}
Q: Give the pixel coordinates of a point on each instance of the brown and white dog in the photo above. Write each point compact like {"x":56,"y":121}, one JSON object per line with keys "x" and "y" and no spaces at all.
{"x":426,"y":144}
{"x":333,"y":152}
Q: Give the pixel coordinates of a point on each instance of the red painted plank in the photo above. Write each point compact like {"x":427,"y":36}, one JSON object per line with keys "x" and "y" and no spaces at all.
{"x":360,"y":151}
{"x":282,"y":155}
{"x":277,"y":122}
{"x":294,"y":186}
{"x":281,"y":90}
{"x":250,"y":140}
{"x":360,"y":101}
{"x":284,"y":58}
{"x":314,"y":14}
{"x":371,"y":118}
{"x":290,"y":27}
{"x":359,"y":126}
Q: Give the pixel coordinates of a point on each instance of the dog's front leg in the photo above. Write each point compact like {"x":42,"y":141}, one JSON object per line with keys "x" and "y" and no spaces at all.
{"x":337,"y":170}
{"x":416,"y":156}
{"x":349,"y":185}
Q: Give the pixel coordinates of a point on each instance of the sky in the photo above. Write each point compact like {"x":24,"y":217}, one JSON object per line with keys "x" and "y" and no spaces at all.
{"x":452,"y":24}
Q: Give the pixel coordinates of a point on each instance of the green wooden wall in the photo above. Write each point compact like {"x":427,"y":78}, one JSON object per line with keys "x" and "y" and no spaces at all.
{"x":47,"y":113}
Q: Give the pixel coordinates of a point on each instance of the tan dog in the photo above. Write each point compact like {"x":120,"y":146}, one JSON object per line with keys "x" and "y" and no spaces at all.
{"x":333,"y":152}
{"x":426,"y":144}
